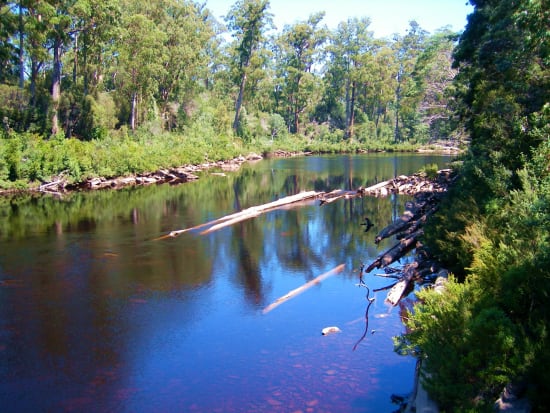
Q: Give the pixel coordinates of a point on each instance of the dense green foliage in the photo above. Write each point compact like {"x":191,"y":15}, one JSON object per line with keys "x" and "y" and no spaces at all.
{"x":123,"y":71}
{"x":490,"y":327}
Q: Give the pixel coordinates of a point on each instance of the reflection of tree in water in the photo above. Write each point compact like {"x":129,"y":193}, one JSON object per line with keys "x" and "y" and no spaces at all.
{"x":293,"y":245}
{"x":247,"y":243}
{"x":248,"y":248}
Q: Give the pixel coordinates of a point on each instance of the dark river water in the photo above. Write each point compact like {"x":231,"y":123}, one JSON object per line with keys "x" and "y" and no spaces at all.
{"x":96,"y":315}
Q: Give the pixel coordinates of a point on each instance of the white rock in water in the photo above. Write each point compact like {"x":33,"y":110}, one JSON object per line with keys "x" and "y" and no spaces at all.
{"x":330,"y":330}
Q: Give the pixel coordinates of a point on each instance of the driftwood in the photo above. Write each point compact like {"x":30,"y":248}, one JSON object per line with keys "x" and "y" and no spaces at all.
{"x":246,"y":214}
{"x":396,"y":252}
{"x":56,"y":187}
{"x":401,"y":183}
{"x":399,"y":225}
{"x":407,"y":229}
{"x":399,"y":288}
{"x":412,"y":219}
{"x":301,"y":289}
{"x":417,"y":224}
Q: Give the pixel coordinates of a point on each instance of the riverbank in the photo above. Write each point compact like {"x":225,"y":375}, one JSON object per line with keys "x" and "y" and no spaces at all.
{"x":62,"y":183}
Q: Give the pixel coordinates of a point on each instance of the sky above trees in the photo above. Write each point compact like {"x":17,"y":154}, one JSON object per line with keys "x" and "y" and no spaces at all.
{"x":387,"y":17}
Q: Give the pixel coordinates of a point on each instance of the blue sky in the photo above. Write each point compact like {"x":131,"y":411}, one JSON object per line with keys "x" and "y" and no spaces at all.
{"x":387,"y":16}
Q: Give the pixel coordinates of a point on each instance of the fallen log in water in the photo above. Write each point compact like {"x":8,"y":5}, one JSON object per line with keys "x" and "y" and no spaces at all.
{"x":392,"y":185}
{"x":411,"y":219}
{"x":301,"y":289}
{"x":396,"y":252}
{"x":246,"y":214}
{"x":399,"y":225}
{"x":399,"y":288}
{"x":408,"y":229}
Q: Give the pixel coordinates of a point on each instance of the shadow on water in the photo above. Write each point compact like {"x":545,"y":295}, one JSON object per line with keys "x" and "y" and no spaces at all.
{"x":96,"y":316}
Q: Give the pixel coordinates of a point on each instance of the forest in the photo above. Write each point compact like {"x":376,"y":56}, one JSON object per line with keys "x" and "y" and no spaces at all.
{"x":88,"y":89}
{"x":124,"y":74}
{"x":490,"y":328}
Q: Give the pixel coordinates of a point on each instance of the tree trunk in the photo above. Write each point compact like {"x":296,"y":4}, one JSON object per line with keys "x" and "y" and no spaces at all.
{"x":239,"y":103}
{"x":351,"y":118}
{"x":21,"y":49}
{"x":133,"y":115}
{"x":75,"y":60}
{"x":56,"y":84}
{"x":396,"y":131}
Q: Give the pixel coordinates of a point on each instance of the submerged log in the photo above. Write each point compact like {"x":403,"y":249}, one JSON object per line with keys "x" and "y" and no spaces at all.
{"x":301,"y":289}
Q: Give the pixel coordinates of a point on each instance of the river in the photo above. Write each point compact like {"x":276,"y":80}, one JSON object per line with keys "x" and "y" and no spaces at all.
{"x":98,"y":315}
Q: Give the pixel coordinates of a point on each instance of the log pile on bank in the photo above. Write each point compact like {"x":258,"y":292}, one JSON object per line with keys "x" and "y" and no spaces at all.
{"x":175,"y":175}
{"x":408,"y":230}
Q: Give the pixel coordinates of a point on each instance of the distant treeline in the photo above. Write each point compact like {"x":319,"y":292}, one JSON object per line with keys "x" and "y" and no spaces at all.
{"x":89,"y":69}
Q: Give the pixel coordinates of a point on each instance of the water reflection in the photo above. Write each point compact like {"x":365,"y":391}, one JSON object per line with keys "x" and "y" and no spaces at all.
{"x":97,"y":316}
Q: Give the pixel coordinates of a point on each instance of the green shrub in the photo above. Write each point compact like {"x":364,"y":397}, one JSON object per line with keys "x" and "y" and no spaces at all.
{"x":430,"y":170}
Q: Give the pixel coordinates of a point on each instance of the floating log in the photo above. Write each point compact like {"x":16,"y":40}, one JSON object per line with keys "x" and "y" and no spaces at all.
{"x":301,"y":289}
{"x":379,"y":189}
{"x":246,"y":214}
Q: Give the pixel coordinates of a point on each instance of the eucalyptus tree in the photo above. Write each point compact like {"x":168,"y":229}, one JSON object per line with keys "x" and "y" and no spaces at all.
{"x":351,"y":53}
{"x":298,"y":51}
{"x":47,"y":31}
{"x":96,"y":29}
{"x":407,"y":49}
{"x":379,"y":93}
{"x":8,"y":49}
{"x":139,"y":62}
{"x":36,"y":52}
{"x":248,"y":20}
{"x":58,"y":26}
{"x":185,"y":60}
{"x":23,"y":46}
{"x":434,"y":76}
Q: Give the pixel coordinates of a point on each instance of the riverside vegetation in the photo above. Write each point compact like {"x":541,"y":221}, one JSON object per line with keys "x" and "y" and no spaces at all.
{"x":123,"y":87}
{"x":490,"y":327}
{"x":87,"y":91}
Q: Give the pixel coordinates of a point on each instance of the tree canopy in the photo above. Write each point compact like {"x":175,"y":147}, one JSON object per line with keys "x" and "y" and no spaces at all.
{"x":88,"y":69}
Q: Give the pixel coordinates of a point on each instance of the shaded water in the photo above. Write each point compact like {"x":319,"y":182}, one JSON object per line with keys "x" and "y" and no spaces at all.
{"x":95,"y":315}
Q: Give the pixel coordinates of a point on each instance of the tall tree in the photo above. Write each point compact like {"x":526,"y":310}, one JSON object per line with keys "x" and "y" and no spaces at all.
{"x":139,"y":68}
{"x":60,"y":24}
{"x":248,"y":20}
{"x":434,"y":77}
{"x":407,"y":50}
{"x":184,"y":62}
{"x":350,"y":50}
{"x":8,"y":51}
{"x":299,"y":48}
